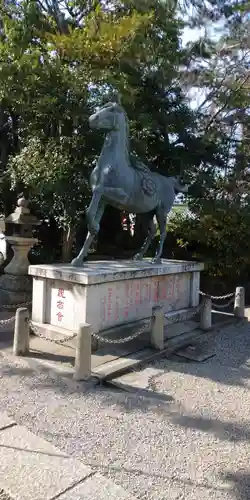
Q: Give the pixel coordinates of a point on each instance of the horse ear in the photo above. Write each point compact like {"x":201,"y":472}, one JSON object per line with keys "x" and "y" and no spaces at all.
{"x":117,"y":98}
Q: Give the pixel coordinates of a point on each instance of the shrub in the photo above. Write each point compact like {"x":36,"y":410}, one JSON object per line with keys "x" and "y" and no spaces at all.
{"x":221,"y":239}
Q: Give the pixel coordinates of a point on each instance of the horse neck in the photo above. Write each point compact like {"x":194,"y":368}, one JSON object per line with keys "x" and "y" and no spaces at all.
{"x":116,"y":143}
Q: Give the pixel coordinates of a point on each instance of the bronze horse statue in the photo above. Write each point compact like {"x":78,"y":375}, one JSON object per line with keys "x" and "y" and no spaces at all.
{"x":123,"y":181}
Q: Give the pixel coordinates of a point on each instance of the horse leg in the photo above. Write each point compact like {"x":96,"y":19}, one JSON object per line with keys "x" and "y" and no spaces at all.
{"x":161,"y":217}
{"x":92,"y":233}
{"x":92,"y":210}
{"x":151,"y":235}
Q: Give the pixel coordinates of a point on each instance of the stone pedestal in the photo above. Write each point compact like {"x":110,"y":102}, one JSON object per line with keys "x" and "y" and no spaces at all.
{"x":19,"y":265}
{"x":15,"y":284}
{"x":109,"y":293}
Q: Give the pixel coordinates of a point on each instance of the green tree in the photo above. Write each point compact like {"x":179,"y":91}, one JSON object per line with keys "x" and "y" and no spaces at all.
{"x":46,"y":95}
{"x":62,"y":58}
{"x":220,"y":194}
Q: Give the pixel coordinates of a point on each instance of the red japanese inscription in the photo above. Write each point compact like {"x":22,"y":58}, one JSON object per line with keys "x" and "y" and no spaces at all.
{"x":179,"y":287}
{"x":126,"y":308}
{"x":110,"y":294}
{"x":137,"y":294}
{"x":116,"y":312}
{"x":156,"y":291}
{"x":162,"y":290}
{"x":59,"y":316}
{"x":170,"y":288}
{"x":141,"y":293}
{"x":60,"y":304}
{"x":103,"y":309}
{"x":149,"y":292}
{"x":131,"y":301}
{"x":60,"y":293}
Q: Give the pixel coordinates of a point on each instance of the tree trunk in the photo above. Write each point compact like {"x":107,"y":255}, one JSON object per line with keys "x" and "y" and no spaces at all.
{"x":68,"y":238}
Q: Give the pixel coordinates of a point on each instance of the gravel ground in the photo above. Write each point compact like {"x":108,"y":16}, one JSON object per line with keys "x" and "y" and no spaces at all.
{"x":189,"y":440}
{"x":4,"y":496}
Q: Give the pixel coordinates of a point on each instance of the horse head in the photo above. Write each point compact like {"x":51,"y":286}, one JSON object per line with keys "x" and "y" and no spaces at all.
{"x":107,"y":117}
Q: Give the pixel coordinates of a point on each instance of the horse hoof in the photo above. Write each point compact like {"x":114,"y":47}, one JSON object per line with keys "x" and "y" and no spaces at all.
{"x":76,"y":263}
{"x":137,"y":257}
{"x":156,"y":261}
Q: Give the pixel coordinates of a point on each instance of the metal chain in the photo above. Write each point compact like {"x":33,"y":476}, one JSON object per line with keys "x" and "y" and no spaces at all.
{"x":4,"y":322}
{"x":187,"y":315}
{"x":8,"y":321}
{"x":217,"y":297}
{"x":36,"y":332}
{"x":152,"y":380}
{"x":15,"y":306}
{"x":97,"y":336}
{"x":122,"y":340}
{"x":223,"y":306}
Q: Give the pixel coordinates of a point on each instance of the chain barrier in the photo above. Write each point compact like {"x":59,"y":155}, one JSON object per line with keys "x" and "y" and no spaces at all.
{"x":62,"y":341}
{"x":186,"y":315}
{"x":152,"y":380}
{"x":224,"y":306}
{"x":9,"y":321}
{"x":229,"y":296}
{"x":97,"y":336}
{"x":123,"y":340}
{"x":16,"y":306}
{"x":4,"y":322}
{"x":217,"y":297}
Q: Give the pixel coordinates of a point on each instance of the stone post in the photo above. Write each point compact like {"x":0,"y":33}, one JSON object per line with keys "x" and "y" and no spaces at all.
{"x":206,"y":313}
{"x":239,"y":302}
{"x":157,"y":328}
{"x":21,"y":333}
{"x":83,"y":353}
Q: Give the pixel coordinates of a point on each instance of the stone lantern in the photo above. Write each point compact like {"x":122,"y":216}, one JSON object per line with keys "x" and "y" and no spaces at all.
{"x":15,"y":284}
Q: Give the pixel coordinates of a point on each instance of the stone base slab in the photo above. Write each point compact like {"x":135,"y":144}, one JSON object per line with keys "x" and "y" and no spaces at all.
{"x":106,"y":294}
{"x":200,"y":351}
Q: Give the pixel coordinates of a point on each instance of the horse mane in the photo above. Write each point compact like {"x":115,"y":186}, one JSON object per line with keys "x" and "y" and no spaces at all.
{"x":120,"y":108}
{"x":112,"y":104}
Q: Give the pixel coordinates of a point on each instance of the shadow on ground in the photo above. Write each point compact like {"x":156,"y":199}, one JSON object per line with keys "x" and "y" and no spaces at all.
{"x":230,"y":366}
{"x":225,"y":431}
{"x":143,"y":401}
{"x":240,"y":482}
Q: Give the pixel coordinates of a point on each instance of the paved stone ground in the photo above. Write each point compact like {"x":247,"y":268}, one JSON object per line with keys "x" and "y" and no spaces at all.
{"x":188,"y":439}
{"x":33,"y":469}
